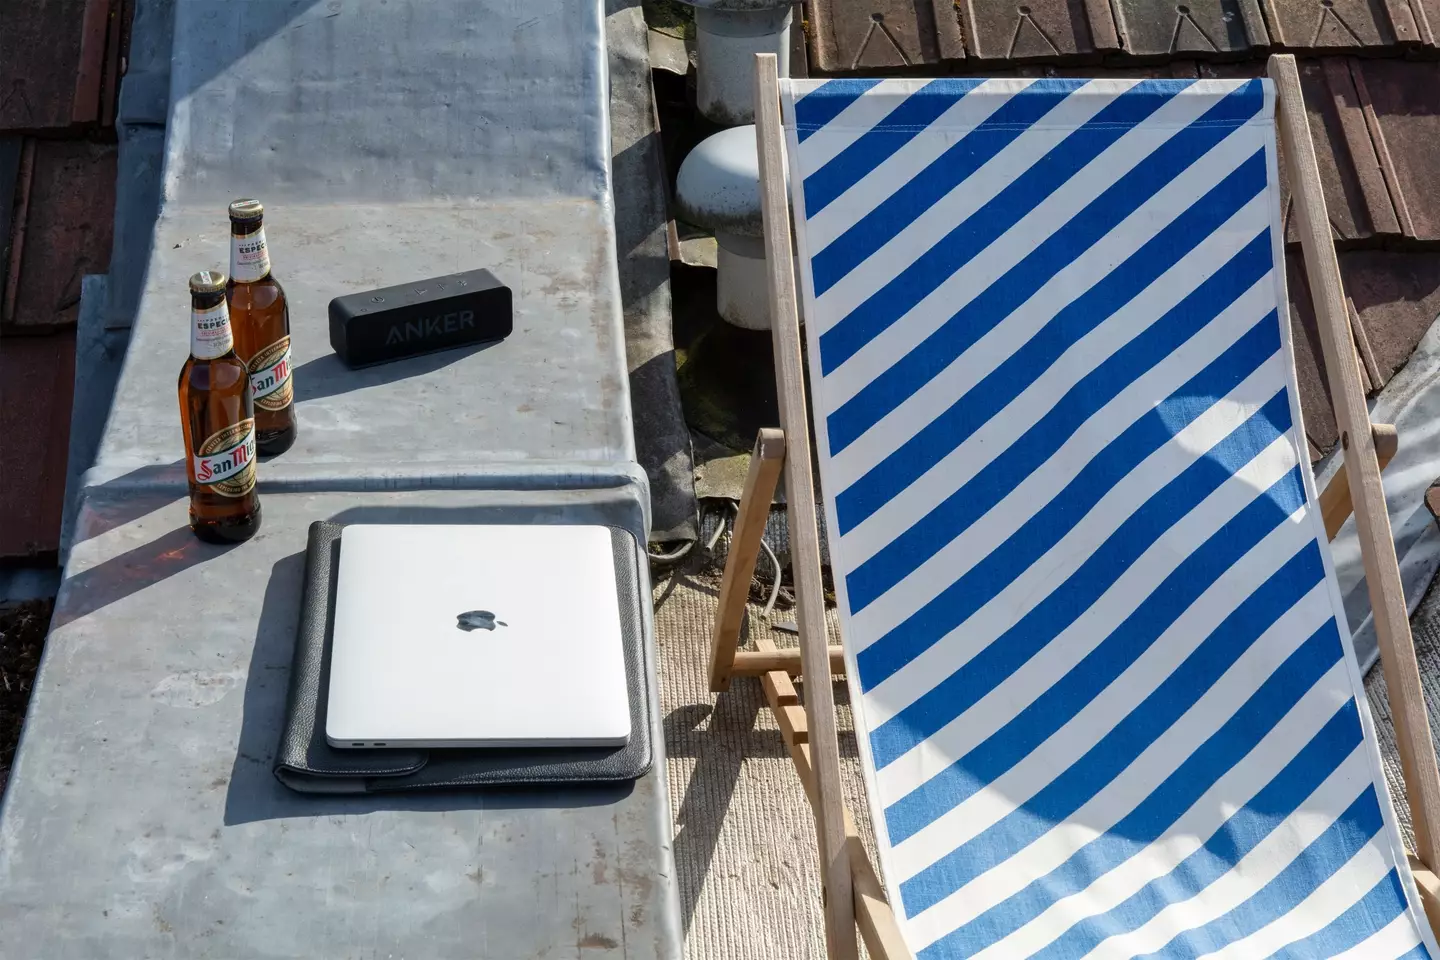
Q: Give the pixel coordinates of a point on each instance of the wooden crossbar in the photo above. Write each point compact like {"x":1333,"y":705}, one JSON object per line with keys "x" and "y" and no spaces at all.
{"x":754,"y":663}
{"x":1335,"y":503}
{"x":872,"y":910}
{"x":1367,"y":448}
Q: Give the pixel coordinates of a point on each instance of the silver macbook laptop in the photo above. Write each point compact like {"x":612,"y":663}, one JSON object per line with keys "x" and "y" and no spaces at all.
{"x":477,"y":636}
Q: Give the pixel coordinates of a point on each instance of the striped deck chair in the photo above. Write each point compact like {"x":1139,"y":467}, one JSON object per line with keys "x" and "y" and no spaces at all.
{"x":1103,"y":687}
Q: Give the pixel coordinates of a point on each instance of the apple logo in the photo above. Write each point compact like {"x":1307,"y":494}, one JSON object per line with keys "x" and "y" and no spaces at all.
{"x":478,"y":620}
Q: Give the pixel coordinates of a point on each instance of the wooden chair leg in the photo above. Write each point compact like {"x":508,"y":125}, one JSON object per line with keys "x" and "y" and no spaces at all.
{"x":1372,"y":520}
{"x":873,"y":915}
{"x":800,"y":507}
{"x":765,"y":463}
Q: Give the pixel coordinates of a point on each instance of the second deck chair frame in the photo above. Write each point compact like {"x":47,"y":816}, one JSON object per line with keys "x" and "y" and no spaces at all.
{"x":854,"y":896}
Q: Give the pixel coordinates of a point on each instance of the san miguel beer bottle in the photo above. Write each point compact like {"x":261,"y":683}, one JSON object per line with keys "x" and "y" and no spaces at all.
{"x":218,"y":417}
{"x":261,"y":319}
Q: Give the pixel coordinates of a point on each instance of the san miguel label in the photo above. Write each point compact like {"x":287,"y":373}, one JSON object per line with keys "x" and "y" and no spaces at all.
{"x":226,"y":461}
{"x":270,"y":381}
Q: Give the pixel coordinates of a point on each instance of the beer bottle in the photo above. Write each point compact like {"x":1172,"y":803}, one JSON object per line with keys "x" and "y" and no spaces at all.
{"x":261,"y":320}
{"x":218,"y":417}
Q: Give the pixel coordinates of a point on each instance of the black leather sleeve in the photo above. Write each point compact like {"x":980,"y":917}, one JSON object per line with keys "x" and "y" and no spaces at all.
{"x":307,"y":763}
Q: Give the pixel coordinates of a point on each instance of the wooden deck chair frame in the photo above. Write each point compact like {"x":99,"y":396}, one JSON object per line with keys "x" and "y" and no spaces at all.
{"x":853,"y":894}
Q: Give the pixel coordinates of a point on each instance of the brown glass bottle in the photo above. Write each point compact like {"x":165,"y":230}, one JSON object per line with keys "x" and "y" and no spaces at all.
{"x":218,"y":417}
{"x":261,"y":320}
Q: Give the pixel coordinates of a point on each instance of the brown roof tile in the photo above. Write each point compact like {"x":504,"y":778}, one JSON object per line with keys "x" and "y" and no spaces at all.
{"x":1376,"y":126}
{"x":63,"y":233}
{"x":876,"y":34}
{"x":37,"y":377}
{"x":865,"y":35}
{"x":1401,"y":104}
{"x":1164,"y":28}
{"x":10,"y":150}
{"x":1036,"y":29}
{"x":1396,"y":295}
{"x":1330,"y":25}
{"x":1315,"y":405}
{"x":1355,"y":190}
{"x":52,"y":63}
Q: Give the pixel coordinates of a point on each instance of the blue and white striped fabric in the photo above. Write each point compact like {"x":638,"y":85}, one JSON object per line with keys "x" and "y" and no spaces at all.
{"x":1106,"y":699}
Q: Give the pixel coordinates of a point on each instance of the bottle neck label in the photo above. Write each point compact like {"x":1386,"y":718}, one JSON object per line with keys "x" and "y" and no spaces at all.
{"x":249,"y":259}
{"x":270,"y":382}
{"x":210,"y":332}
{"x":225,"y":462}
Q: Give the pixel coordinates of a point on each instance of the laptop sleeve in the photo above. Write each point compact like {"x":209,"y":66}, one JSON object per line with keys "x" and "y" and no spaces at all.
{"x":307,"y":763}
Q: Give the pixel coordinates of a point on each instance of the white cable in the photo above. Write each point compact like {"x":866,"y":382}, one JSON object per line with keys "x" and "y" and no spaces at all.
{"x":775,"y":588}
{"x":719,"y":530}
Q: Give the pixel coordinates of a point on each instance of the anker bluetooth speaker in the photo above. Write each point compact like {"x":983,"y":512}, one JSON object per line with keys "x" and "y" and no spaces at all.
{"x":420,"y":317}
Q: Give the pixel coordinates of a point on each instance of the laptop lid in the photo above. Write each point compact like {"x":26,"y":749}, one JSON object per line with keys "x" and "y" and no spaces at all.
{"x":477,"y":635}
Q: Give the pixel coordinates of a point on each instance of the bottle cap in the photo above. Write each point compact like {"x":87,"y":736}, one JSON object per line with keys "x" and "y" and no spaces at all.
{"x":207,"y":281}
{"x":246,"y":209}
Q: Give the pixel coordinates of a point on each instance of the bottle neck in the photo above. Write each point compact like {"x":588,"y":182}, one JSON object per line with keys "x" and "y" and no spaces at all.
{"x":249,"y":257}
{"x":209,"y":326}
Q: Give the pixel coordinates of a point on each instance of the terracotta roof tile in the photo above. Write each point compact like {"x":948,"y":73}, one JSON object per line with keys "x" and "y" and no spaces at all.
{"x":53,"y":63}
{"x":37,"y":376}
{"x":1330,"y":25}
{"x":1176,"y":69}
{"x":62,"y":231}
{"x":1355,"y":191}
{"x":1396,"y":295}
{"x":1315,"y":405}
{"x":1401,"y":105}
{"x":867,"y":35}
{"x":1037,"y":29}
{"x":1164,"y":28}
{"x":10,"y":150}
{"x":877,"y":34}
